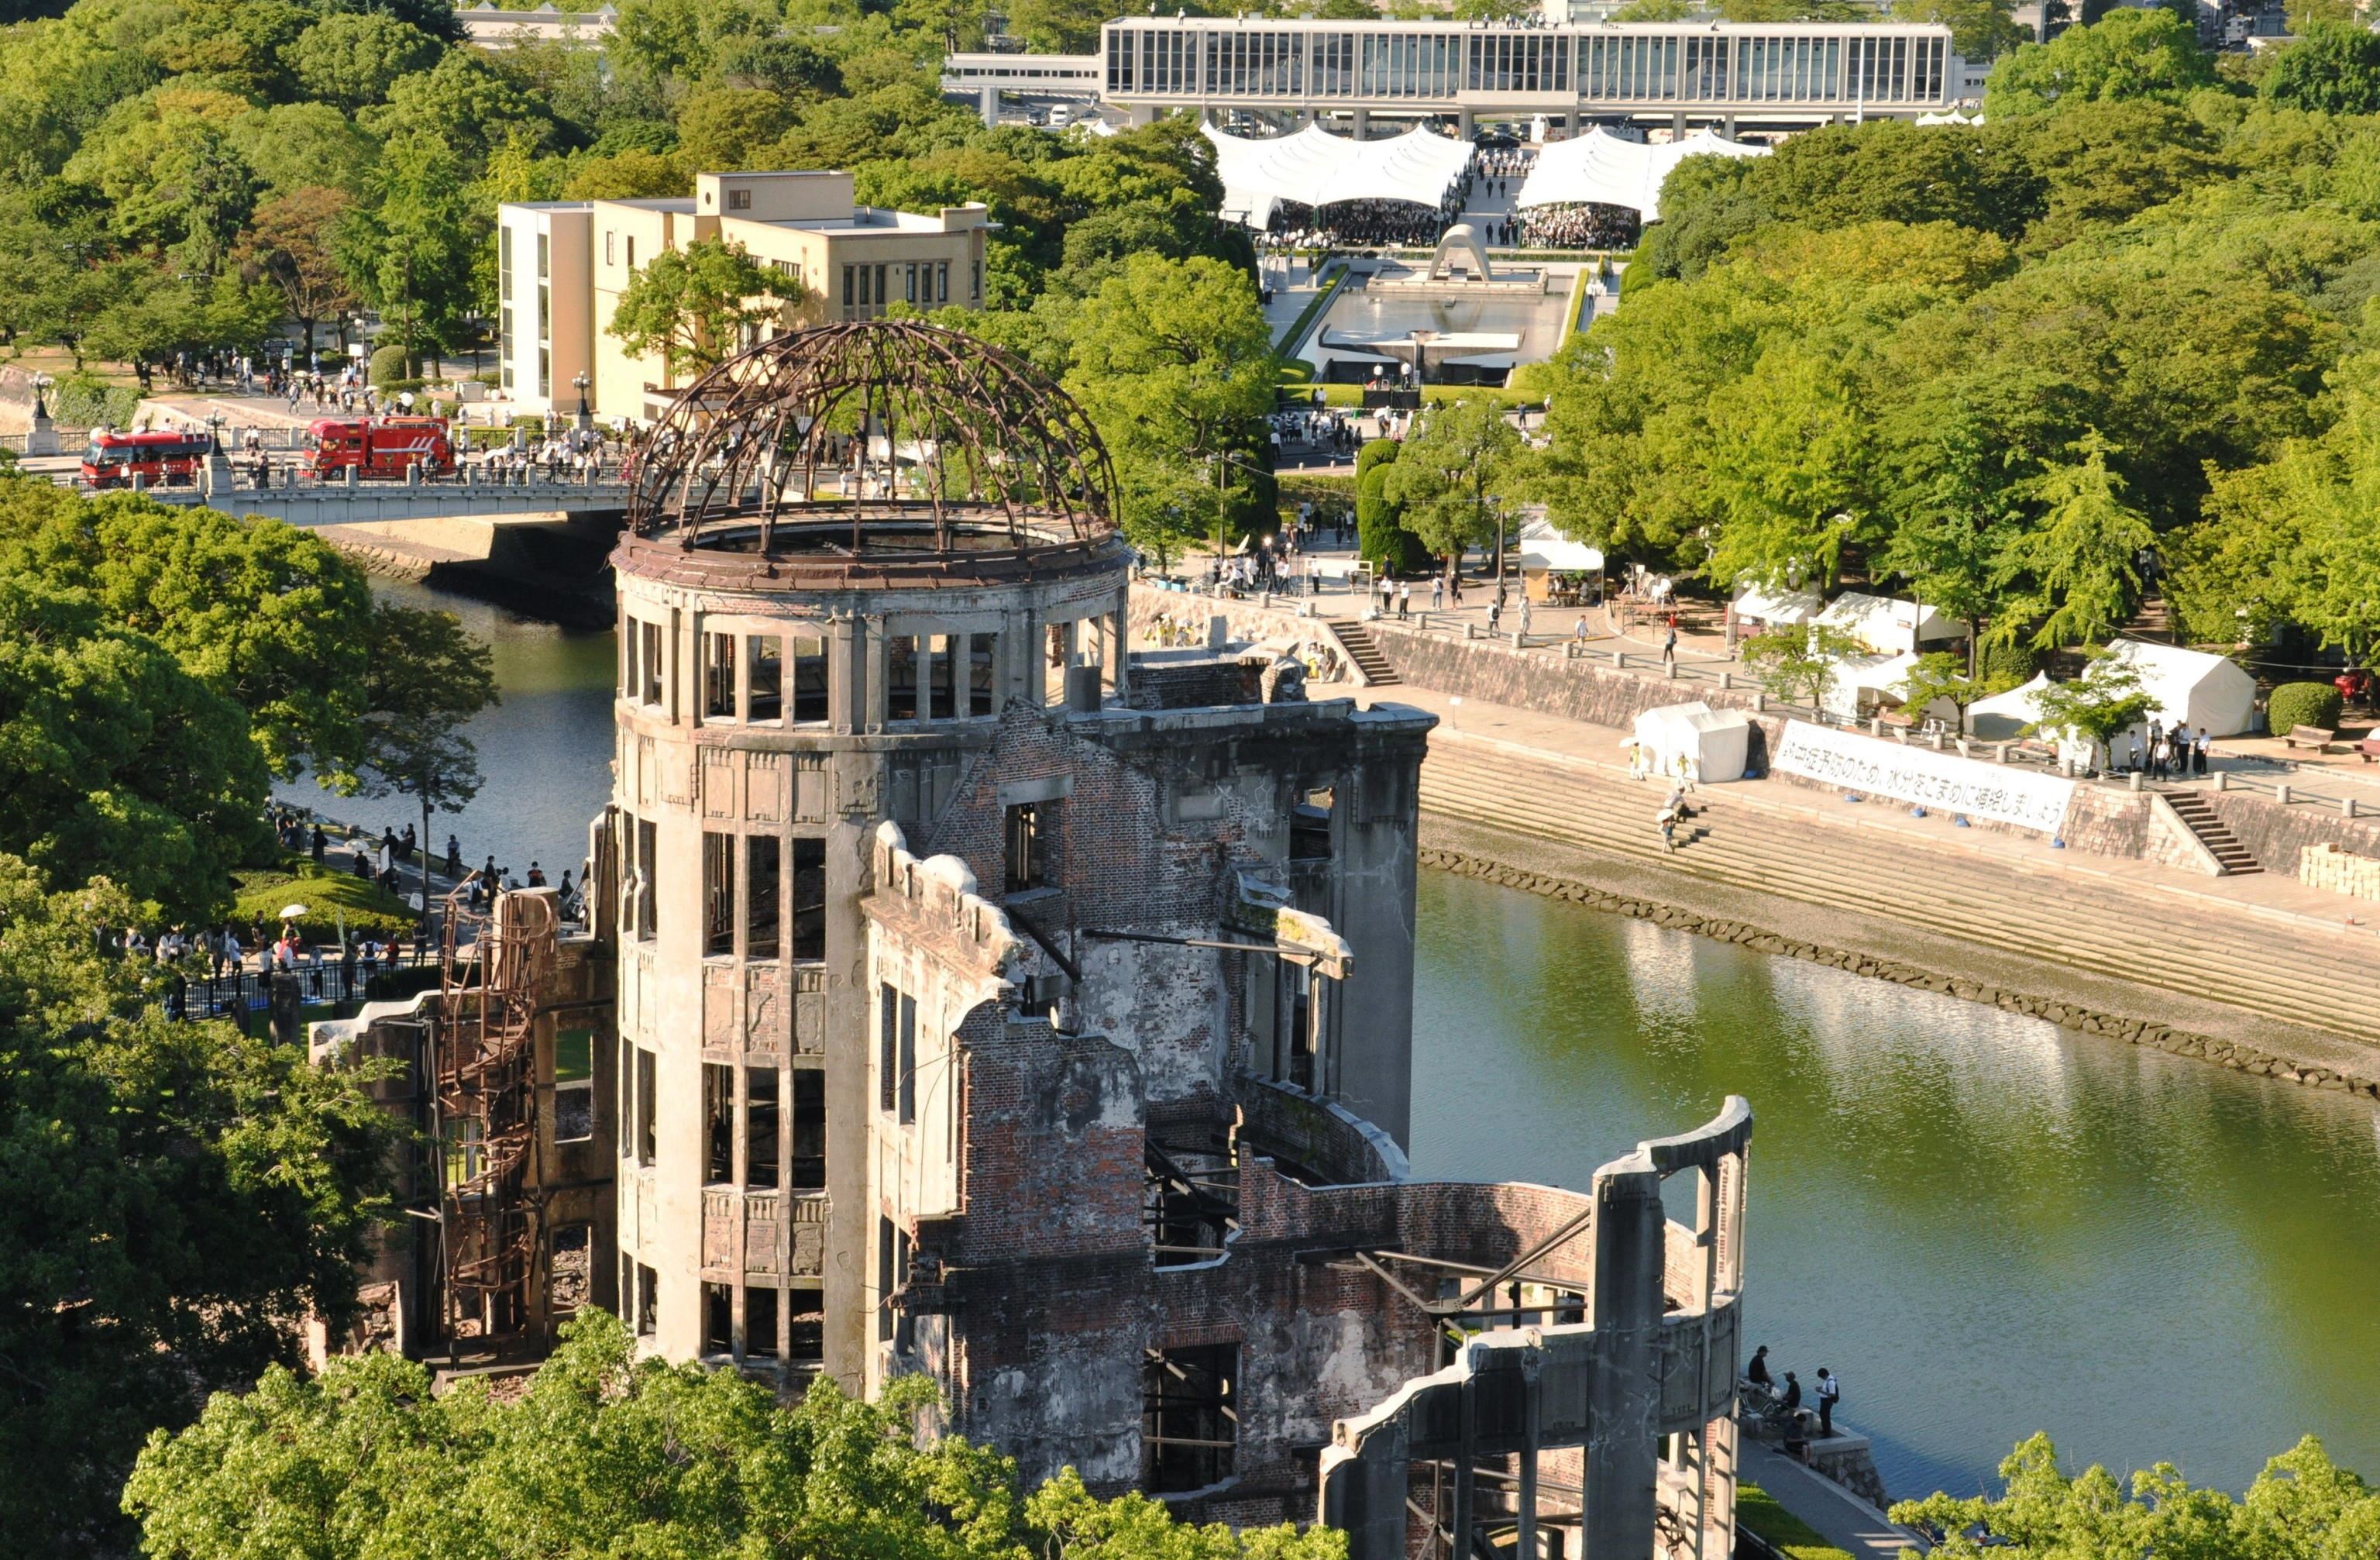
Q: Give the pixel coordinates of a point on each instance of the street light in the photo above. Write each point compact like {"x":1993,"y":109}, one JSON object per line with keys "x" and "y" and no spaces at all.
{"x":586,"y":416}
{"x":42,"y":383}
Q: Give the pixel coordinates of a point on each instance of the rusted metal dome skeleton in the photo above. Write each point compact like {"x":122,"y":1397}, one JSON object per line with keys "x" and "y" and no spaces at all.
{"x":873,"y":436}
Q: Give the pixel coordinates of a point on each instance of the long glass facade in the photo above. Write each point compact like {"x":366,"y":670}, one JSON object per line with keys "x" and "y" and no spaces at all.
{"x":1594,"y":66}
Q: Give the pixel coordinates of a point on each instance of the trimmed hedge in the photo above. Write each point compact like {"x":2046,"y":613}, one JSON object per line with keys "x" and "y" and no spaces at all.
{"x":388,"y":366}
{"x":2303,"y":703}
{"x":1378,"y":452}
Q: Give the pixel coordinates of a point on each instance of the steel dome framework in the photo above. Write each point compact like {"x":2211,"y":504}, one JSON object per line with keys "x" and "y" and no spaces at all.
{"x":879,"y":435}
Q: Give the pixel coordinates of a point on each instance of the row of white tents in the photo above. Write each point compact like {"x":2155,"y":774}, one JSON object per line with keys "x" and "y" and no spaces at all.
{"x":1313,"y":167}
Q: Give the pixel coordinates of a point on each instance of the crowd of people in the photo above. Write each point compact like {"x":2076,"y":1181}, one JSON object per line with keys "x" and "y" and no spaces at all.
{"x":1579,"y":228}
{"x":1314,"y":428}
{"x":1361,"y":225}
{"x":1787,"y":1407}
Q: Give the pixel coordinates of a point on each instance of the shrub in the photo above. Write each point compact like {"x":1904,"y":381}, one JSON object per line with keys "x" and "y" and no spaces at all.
{"x":2007,"y":665}
{"x":2303,"y":703}
{"x":1379,"y":452}
{"x":388,"y":366}
{"x":1386,"y":545}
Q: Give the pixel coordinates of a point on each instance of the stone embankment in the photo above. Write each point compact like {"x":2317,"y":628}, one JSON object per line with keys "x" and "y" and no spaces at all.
{"x":2068,"y":1015}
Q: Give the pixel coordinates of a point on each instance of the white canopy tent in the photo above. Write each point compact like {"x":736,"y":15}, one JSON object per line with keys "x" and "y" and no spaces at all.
{"x":1775,"y":609}
{"x":1715,"y":743}
{"x":1602,"y":169}
{"x":2192,"y":687}
{"x":1314,"y":167}
{"x":1857,"y":685}
{"x":1544,"y":550}
{"x":1889,"y":625}
{"x":2003,"y":716}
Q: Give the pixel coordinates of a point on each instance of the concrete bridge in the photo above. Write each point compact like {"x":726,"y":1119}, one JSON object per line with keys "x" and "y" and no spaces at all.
{"x":537,"y":502}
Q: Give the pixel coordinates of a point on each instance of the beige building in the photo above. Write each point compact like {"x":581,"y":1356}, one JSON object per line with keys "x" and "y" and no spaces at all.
{"x":562,"y":266}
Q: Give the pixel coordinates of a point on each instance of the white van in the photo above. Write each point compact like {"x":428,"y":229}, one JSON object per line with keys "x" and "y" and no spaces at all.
{"x":1061,"y":117}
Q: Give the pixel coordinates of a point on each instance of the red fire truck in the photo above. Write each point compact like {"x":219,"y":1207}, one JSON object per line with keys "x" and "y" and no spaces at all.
{"x":113,"y":460}
{"x":379,"y":446}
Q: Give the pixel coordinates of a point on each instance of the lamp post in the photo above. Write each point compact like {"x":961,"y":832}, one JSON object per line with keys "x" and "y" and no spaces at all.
{"x":42,"y":436}
{"x":586,"y":414}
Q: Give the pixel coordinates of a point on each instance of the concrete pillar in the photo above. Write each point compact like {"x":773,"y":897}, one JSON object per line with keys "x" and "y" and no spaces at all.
{"x":1622,"y":1461}
{"x":2281,"y":793}
{"x":1678,"y":126}
{"x":987,"y":104}
{"x":2222,"y":779}
{"x":1463,"y":124}
{"x":1727,"y":125}
{"x":2346,"y":807}
{"x":1362,"y":123}
{"x":1759,"y":700}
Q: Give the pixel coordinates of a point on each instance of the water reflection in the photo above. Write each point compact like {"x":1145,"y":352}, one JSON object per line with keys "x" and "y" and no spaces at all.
{"x":1987,"y":1224}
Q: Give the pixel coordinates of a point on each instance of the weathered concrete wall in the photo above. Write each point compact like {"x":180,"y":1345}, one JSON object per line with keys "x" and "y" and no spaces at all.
{"x":1550,"y":683}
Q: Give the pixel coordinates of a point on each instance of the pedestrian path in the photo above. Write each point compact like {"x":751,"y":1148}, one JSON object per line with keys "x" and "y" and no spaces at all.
{"x":1834,"y":1513}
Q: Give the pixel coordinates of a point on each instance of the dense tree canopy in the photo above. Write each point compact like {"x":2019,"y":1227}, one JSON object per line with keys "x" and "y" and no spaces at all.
{"x":179,"y":1199}
{"x":605,"y":1449}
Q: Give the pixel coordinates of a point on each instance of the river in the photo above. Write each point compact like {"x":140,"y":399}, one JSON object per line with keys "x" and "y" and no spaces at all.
{"x":1986,"y":1224}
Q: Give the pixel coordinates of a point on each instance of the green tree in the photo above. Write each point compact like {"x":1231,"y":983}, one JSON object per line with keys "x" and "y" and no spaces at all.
{"x":732,"y":127}
{"x":1798,"y":486}
{"x":1450,"y":478}
{"x":181,"y":1197}
{"x":469,"y":100}
{"x":427,"y":679}
{"x":2105,"y":700}
{"x":1173,"y":362}
{"x":1797,"y":663}
{"x":289,"y":245}
{"x":350,"y":59}
{"x":2076,"y":573}
{"x":1941,"y":676}
{"x":2126,"y":53}
{"x":1980,"y":30}
{"x":692,"y":1462}
{"x":2335,"y":69}
{"x":409,"y":250}
{"x":295,"y":146}
{"x":691,"y":305}
{"x":149,"y":314}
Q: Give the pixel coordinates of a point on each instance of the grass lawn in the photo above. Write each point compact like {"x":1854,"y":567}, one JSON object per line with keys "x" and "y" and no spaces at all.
{"x":1786,"y":1534}
{"x":327,"y":894}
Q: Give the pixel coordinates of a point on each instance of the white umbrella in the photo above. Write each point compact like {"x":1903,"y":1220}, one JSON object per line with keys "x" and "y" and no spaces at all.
{"x":291,"y":912}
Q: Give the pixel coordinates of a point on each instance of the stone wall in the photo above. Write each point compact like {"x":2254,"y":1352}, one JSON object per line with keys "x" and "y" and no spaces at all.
{"x":2326,"y":866}
{"x":2278,"y":835}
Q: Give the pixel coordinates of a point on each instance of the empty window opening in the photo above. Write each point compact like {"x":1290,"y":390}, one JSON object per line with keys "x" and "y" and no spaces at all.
{"x":570,"y":1270}
{"x":645,"y":1091}
{"x":759,"y":1321}
{"x":718,"y":892}
{"x":1297,"y":1039}
{"x":808,"y":1170}
{"x":1309,"y":826}
{"x":901,"y":678}
{"x":626,"y":685}
{"x":1189,"y":1417}
{"x":761,"y":1134}
{"x":649,"y":1285}
{"x":761,"y":855}
{"x":897,"y":1025}
{"x":573,"y":1085}
{"x":1191,"y":1201}
{"x":717,"y":1124}
{"x":907,"y":1113}
{"x":810,"y":679}
{"x":805,"y":1328}
{"x":648,"y":636}
{"x":809,"y":899}
{"x":719,"y":677}
{"x":764,"y":666}
{"x":943,"y":676}
{"x":718,"y":1318}
{"x":983,"y":675}
{"x":885,"y":1235}
{"x":647,"y":920}
{"x":1030,"y":825}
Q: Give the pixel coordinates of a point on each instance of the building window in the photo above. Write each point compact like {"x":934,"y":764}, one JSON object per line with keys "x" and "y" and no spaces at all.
{"x":810,"y":900}
{"x":648,"y":1299}
{"x":765,"y":682}
{"x":882,"y":297}
{"x":718,"y":892}
{"x":1027,"y":838}
{"x":983,"y":669}
{"x":907,"y":1113}
{"x":608,"y":236}
{"x":975,"y":280}
{"x":942,"y":282}
{"x":1294,"y":1040}
{"x":808,"y":1171}
{"x":739,"y":200}
{"x":849,"y":297}
{"x":901,"y":677}
{"x":761,"y":855}
{"x":897,"y":1021}
{"x":718,"y":1124}
{"x":1189,"y":1417}
{"x":760,"y":1131}
{"x":573,"y":1085}
{"x":570,"y":1269}
{"x":647,"y":922}
{"x":646,"y":1082}
{"x":810,"y":679}
{"x":943,"y":682}
{"x":650,"y":659}
{"x":718,"y":1318}
{"x":759,"y":1321}
{"x":632,"y":251}
{"x":719,"y":677}
{"x":806,"y":1328}
{"x":892,"y":1276}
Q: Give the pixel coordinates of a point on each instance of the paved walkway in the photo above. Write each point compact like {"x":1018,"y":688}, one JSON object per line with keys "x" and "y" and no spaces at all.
{"x":1840,"y":1518}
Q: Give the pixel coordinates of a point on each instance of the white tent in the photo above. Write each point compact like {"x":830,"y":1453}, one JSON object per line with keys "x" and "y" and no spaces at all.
{"x":1953,"y":117}
{"x":1314,"y":167}
{"x":1775,"y":609}
{"x":1546,"y":550}
{"x":2192,"y":687}
{"x":1713,"y":741}
{"x":1887,"y":625}
{"x":2004,"y":716}
{"x":1602,"y":169}
{"x":1869,"y":680}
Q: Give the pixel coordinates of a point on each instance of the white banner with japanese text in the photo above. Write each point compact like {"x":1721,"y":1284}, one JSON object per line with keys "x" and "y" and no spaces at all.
{"x":1875,"y":767}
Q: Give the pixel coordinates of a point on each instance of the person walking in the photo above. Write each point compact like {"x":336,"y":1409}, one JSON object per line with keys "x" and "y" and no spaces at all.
{"x":1437,"y":591}
{"x":316,"y":844}
{"x":1524,"y":618}
{"x":1830,"y":1392}
{"x":1405,"y":601}
{"x":1669,"y":643}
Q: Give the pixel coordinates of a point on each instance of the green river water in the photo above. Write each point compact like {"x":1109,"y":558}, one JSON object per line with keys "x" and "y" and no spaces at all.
{"x":1985,"y":1225}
